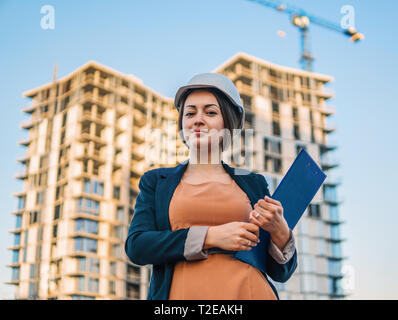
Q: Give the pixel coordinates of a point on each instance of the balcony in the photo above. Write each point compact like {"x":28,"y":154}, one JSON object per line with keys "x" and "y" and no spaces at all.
{"x":88,"y":116}
{"x":139,"y":118}
{"x":25,"y":142}
{"x":243,"y":71}
{"x":324,"y":93}
{"x":138,"y":151}
{"x":21,"y":175}
{"x":139,"y":135}
{"x":328,"y":162}
{"x":86,"y":137}
{"x":244,"y":88}
{"x":332,"y":181}
{"x":328,"y":128}
{"x":94,"y":155}
{"x":28,"y":124}
{"x":23,"y":159}
{"x":29,"y":107}
{"x":327,"y":110}
{"x":138,"y":168}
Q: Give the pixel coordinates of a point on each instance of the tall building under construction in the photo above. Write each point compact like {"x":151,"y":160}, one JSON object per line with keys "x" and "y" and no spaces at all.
{"x":91,"y":136}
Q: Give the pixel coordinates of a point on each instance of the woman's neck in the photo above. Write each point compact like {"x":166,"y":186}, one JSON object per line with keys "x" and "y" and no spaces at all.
{"x":205,"y":164}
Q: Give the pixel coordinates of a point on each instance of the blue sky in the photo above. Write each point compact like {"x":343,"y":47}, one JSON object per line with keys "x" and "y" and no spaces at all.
{"x":166,"y":42}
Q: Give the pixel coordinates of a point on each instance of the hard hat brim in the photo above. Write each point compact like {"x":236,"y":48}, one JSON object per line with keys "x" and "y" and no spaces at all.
{"x":181,"y":91}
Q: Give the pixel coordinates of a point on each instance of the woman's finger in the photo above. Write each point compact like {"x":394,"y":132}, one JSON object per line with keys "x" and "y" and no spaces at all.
{"x":267,"y":206}
{"x":250,"y":236}
{"x":276,"y":202}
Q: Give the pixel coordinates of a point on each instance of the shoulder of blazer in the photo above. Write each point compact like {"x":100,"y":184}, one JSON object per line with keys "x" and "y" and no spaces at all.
{"x":152,"y":176}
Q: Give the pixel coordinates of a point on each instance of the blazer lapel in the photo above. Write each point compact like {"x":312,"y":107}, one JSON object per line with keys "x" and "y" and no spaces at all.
{"x":171,"y":177}
{"x":168,"y":182}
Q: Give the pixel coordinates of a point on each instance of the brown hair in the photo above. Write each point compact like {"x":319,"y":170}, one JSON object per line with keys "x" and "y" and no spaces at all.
{"x":229,"y":113}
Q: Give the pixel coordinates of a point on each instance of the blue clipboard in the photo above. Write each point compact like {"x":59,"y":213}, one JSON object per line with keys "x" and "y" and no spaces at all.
{"x":295,"y":192}
{"x":298,"y":187}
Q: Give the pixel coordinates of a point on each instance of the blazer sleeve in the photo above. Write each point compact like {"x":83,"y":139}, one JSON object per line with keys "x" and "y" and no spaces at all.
{"x":145,"y":244}
{"x":280,"y":272}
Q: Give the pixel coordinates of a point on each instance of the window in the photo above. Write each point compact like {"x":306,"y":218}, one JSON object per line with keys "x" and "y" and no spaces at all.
{"x":91,"y":265}
{"x":17,"y":239}
{"x":15,"y":256}
{"x":333,"y":213}
{"x":32,"y":270}
{"x":133,"y":291}
{"x":85,"y":244}
{"x":112,"y":287}
{"x":277,"y":165}
{"x":21,"y":202}
{"x":93,"y":187}
{"x":64,"y":117}
{"x":267,"y":159}
{"x":55,"y":230}
{"x":296,"y":131}
{"x":120,"y":213}
{"x":276,"y":130}
{"x":334,"y":267}
{"x":266,"y":143}
{"x":336,"y":249}
{"x":15,"y":273}
{"x":117,"y":250}
{"x":40,"y":197}
{"x":85,"y":225}
{"x":314,"y":210}
{"x":295,"y":113}
{"x":58,"y":211}
{"x":329,"y":193}
{"x":19,"y":221}
{"x":335,"y":232}
{"x":276,"y":147}
{"x":98,"y":187}
{"x":312,"y":134}
{"x":33,"y":217}
{"x":275,"y":107}
{"x":88,"y":205}
{"x":116,"y":232}
{"x":335,"y":286}
{"x":112,"y":268}
{"x":33,"y":289}
{"x":116,"y":192}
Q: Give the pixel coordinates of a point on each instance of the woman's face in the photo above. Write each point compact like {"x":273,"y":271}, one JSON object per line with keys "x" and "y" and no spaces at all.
{"x":202,"y":112}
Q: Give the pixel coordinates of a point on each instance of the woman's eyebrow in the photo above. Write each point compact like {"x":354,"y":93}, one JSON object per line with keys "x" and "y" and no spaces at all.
{"x":207,"y":105}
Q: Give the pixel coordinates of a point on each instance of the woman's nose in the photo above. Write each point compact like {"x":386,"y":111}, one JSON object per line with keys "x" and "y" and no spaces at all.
{"x":198,"y":118}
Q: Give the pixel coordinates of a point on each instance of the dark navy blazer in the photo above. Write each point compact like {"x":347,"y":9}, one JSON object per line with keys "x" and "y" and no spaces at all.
{"x":151,"y":241}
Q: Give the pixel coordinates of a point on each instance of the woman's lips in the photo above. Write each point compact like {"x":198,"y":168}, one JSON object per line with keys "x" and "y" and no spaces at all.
{"x":197,"y":132}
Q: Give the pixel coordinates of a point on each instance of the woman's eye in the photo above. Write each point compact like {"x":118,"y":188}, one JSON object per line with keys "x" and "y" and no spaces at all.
{"x":188,"y":114}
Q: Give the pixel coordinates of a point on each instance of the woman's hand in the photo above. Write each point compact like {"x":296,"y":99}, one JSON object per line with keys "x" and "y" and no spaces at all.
{"x":234,"y":236}
{"x":268,"y":215}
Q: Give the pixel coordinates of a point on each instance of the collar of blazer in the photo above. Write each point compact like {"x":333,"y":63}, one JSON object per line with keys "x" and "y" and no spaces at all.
{"x":169,"y":178}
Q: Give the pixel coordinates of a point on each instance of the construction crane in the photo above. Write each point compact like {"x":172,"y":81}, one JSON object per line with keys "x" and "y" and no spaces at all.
{"x":302,"y":20}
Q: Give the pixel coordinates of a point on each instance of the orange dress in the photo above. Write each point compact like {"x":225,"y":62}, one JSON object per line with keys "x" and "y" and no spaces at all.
{"x":220,"y":276}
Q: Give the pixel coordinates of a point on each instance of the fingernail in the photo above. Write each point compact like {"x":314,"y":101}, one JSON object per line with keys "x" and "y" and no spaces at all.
{"x":256,"y":214}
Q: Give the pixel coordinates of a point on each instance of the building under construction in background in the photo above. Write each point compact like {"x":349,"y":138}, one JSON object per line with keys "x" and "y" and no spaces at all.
{"x":87,"y":149}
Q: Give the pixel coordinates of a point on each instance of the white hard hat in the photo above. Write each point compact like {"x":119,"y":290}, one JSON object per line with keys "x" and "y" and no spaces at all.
{"x":218,"y":81}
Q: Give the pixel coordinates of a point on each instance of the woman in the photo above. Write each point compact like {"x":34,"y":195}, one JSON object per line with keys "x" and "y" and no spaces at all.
{"x":199,"y":223}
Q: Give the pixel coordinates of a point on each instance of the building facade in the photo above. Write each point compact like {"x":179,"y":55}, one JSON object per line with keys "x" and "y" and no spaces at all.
{"x":91,"y":136}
